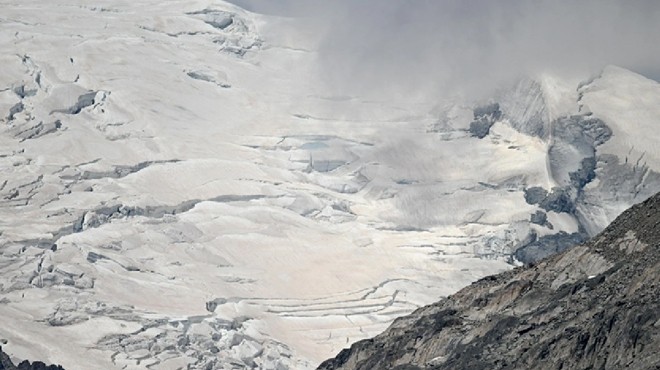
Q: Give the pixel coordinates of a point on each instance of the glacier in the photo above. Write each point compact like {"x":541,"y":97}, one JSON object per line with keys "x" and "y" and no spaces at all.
{"x":178,"y":190}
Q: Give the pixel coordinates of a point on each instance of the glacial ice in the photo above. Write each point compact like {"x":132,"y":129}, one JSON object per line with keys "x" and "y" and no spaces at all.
{"x":152,"y":217}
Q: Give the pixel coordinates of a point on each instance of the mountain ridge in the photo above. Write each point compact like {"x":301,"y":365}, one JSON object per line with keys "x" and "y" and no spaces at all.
{"x":7,"y":364}
{"x":593,"y":306}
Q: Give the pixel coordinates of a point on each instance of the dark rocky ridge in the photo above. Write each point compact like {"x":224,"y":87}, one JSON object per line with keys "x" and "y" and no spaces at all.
{"x":594,"y":306}
{"x":6,"y":364}
{"x":484,"y":118}
{"x":575,"y":139}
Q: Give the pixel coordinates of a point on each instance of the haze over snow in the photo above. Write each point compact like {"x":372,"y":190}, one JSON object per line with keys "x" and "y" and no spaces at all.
{"x":194,"y":185}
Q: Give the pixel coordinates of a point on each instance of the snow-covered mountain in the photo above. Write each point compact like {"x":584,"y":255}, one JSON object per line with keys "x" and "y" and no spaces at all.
{"x":179,"y":190}
{"x":593,"y":306}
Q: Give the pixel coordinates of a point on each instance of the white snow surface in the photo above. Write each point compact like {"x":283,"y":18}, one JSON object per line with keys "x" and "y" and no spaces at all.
{"x":628,"y":103}
{"x":629,"y":162}
{"x":177,"y":191}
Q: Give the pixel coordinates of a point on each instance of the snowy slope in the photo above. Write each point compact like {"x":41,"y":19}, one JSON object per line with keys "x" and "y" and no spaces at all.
{"x":628,"y":163}
{"x":178,"y":191}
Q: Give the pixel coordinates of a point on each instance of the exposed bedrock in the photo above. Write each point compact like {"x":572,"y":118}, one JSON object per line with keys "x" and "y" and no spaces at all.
{"x":559,"y":199}
{"x":540,"y":218}
{"x":484,"y":118}
{"x":575,"y":139}
{"x":594,"y":306}
{"x":572,"y":162}
{"x":7,"y":364}
{"x":547,"y":245}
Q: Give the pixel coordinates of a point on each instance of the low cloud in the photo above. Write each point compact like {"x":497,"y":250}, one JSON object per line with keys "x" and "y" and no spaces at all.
{"x":452,"y":47}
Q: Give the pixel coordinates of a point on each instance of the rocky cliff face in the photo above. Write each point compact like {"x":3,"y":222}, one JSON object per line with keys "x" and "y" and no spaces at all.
{"x":595,"y":306}
{"x":7,"y":364}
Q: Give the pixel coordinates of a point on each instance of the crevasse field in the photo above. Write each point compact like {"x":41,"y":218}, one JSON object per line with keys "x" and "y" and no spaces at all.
{"x":180,"y":190}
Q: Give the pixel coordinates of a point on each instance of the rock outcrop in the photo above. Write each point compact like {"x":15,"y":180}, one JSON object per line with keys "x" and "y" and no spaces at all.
{"x":7,"y":364}
{"x":594,"y":306}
